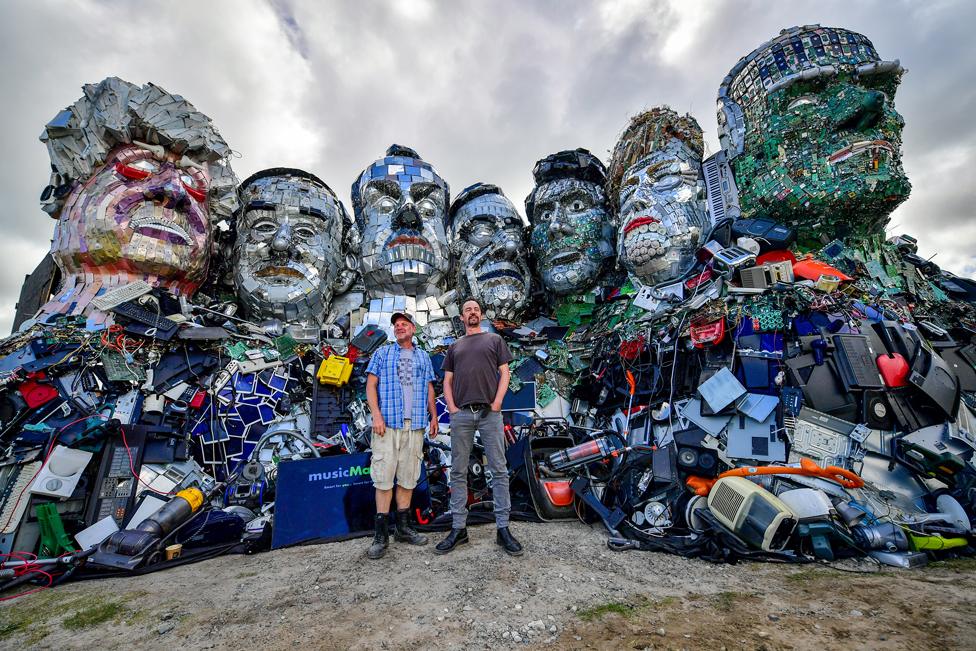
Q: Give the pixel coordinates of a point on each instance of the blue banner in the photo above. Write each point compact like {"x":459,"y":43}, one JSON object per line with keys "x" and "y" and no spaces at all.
{"x":323,"y":499}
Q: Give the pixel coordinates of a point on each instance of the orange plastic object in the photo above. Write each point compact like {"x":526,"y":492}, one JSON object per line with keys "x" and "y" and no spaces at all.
{"x":770,"y":257}
{"x":810,"y":269}
{"x":842,"y":476}
{"x":559,"y":492}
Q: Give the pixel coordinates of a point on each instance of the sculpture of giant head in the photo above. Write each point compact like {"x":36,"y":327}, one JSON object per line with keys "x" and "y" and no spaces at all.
{"x":655,"y":185}
{"x":809,"y":124}
{"x":138,"y":177}
{"x":571,"y":229}
{"x":488,"y":246}
{"x":295,"y":246}
{"x":400,"y":204}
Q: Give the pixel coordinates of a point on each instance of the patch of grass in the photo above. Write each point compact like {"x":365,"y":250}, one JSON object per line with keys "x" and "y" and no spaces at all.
{"x":94,"y":615}
{"x":37,"y":634}
{"x":802,"y":576}
{"x":16,"y":618}
{"x":725,"y":601}
{"x":957,"y":564}
{"x":244,"y":575}
{"x":597,"y":612}
{"x":132,"y":617}
{"x":11,"y":626}
{"x":729,"y":601}
{"x":663,"y":603}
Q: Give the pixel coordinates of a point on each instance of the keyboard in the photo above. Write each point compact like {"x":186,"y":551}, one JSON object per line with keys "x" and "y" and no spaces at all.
{"x":122,"y":294}
{"x":164,"y":328}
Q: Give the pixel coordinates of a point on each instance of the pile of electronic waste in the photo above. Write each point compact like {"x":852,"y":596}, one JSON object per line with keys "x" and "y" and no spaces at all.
{"x":768,"y":405}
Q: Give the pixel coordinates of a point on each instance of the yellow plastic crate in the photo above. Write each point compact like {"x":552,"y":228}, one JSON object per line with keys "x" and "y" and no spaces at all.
{"x":335,"y":371}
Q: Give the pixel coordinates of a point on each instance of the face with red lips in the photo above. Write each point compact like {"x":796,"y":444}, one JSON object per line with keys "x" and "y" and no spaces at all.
{"x":141,"y":214}
{"x":661,"y":210}
{"x":403,"y":230}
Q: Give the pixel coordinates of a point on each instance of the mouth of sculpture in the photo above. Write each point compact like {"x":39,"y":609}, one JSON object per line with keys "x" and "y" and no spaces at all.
{"x":637,"y":222}
{"x":501,"y":273}
{"x":859,"y":148}
{"x":160,"y":229}
{"x":563,"y":257}
{"x":504,"y":273}
{"x":405,"y":240}
{"x":275,"y":271}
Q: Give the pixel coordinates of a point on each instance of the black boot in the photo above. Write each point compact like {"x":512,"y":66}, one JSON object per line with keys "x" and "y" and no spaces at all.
{"x":381,"y":538}
{"x":404,"y":532}
{"x":455,"y":538}
{"x":507,"y":541}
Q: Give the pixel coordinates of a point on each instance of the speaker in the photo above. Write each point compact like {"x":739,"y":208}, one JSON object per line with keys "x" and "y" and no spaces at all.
{"x":698,"y":461}
{"x":876,"y":412}
{"x":693,"y":458}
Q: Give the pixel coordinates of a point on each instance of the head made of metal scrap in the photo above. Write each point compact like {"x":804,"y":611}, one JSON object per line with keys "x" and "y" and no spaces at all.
{"x":400,"y":204}
{"x":488,"y":247}
{"x":809,"y":124}
{"x":572,"y":234}
{"x":656,"y":188}
{"x":295,"y":247}
{"x":138,"y":176}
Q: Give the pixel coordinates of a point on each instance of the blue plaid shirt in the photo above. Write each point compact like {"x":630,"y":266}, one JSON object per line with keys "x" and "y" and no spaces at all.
{"x":383,"y":365}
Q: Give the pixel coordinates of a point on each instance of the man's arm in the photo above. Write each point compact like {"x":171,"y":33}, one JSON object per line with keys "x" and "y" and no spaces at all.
{"x":449,"y":392}
{"x":504,"y":375}
{"x":373,"y":399}
{"x":432,"y":408}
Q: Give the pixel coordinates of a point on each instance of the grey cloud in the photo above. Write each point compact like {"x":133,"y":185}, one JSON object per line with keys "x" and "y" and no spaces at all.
{"x":481,"y":90}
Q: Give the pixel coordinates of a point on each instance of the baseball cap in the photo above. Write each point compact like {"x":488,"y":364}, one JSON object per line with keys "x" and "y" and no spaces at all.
{"x":406,"y":316}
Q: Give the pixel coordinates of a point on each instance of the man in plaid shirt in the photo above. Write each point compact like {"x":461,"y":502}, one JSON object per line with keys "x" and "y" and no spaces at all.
{"x":400,"y":392}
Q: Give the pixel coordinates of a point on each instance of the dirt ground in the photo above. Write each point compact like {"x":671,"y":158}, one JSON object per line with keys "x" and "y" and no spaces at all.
{"x":567,"y":592}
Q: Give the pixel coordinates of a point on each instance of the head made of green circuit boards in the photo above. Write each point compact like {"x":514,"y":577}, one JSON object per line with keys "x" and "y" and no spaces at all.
{"x":809,"y":125}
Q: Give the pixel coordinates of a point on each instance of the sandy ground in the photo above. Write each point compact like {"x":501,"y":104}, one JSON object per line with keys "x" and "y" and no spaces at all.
{"x":567,"y":592}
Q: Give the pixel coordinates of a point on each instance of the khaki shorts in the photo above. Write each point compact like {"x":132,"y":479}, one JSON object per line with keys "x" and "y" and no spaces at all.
{"x":397,"y":454}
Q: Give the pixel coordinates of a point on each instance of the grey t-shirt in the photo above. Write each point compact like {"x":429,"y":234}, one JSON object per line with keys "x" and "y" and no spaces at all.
{"x":474,"y":360}
{"x":405,"y":373}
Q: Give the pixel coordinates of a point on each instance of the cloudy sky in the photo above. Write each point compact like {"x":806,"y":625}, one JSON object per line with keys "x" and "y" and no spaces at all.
{"x":481,"y":89}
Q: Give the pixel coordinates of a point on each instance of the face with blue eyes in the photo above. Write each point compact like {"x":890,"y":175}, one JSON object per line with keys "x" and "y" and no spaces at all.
{"x":662,"y":215}
{"x":572,"y":234}
{"x":143,"y":213}
{"x":488,"y":246}
{"x":287,"y":255}
{"x":824,"y":154}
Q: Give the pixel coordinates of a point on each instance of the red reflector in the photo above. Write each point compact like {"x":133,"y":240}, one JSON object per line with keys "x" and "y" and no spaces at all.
{"x":559,"y":492}
{"x":707,"y":333}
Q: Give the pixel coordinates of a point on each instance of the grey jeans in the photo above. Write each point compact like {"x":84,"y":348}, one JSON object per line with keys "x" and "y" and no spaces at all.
{"x":464,"y":423}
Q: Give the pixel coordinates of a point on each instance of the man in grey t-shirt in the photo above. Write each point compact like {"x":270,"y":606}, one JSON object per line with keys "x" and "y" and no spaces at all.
{"x":476,"y":379}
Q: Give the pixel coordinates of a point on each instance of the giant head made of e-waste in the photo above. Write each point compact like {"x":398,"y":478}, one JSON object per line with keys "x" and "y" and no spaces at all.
{"x":572,"y":232}
{"x":656,"y":188}
{"x":295,"y":246}
{"x":138,"y":177}
{"x":809,"y":124}
{"x":491,"y":261}
{"x":400,"y":204}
